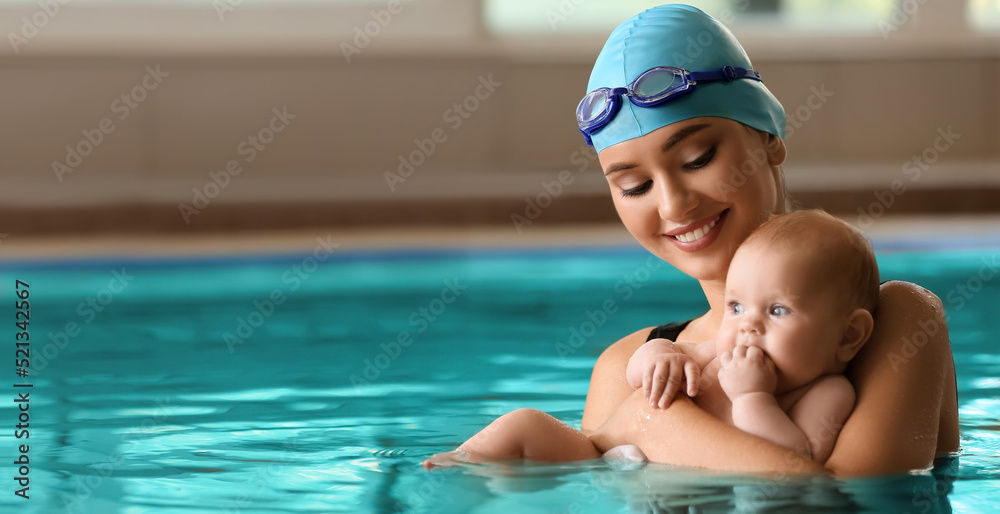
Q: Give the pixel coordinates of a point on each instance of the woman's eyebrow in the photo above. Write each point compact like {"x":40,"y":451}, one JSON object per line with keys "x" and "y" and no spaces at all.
{"x":681,"y":134}
{"x":619,"y":166}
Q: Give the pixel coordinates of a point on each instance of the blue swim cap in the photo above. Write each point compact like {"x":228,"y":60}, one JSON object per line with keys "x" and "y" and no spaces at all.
{"x":685,"y":37}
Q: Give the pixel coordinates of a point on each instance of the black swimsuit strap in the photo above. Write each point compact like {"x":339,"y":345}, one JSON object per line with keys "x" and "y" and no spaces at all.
{"x":669,"y":331}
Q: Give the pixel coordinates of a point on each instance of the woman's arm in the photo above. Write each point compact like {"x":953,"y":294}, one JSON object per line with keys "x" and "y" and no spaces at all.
{"x":906,"y":411}
{"x":682,"y":434}
{"x":685,"y":435}
{"x":608,"y":385}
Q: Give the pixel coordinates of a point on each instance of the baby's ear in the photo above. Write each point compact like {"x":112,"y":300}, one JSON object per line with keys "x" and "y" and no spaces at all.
{"x":859,"y":328}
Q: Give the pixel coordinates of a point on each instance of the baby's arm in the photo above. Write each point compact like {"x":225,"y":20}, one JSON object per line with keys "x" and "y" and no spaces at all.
{"x":748,"y":378}
{"x":660,"y":367}
{"x":822,"y":411}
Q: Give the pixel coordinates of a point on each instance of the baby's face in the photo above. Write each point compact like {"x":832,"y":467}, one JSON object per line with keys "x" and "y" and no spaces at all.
{"x":778,"y":300}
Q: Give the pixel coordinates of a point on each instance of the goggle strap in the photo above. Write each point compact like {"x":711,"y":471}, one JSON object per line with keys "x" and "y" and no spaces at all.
{"x":727,"y":73}
{"x":613,"y":95}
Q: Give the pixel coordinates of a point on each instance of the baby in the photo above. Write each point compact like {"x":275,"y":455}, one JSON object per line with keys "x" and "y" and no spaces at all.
{"x":800,"y":295}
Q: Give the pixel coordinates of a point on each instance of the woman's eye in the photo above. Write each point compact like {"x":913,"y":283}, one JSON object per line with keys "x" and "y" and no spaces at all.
{"x":778,"y":310}
{"x":638,"y":190}
{"x":702,"y":161}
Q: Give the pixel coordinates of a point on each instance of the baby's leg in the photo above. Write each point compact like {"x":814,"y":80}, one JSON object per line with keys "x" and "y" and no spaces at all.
{"x":523,"y":434}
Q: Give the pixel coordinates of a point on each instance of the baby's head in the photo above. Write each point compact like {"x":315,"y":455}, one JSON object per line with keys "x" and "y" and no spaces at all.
{"x":803,"y":287}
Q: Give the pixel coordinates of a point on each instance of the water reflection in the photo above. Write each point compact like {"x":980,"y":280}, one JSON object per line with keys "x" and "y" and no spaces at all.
{"x":655,"y":489}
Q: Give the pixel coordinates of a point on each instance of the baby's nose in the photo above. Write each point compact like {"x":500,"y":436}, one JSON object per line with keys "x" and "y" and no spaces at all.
{"x":751,"y":325}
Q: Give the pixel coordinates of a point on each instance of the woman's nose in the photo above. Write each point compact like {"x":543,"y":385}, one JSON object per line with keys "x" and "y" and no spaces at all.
{"x":676,"y":201}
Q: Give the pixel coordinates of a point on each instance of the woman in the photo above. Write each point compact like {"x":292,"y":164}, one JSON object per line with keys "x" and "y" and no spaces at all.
{"x":693,"y":169}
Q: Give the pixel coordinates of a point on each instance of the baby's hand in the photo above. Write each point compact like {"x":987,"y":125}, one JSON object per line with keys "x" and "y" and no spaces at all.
{"x":746,"y":370}
{"x":661,"y":370}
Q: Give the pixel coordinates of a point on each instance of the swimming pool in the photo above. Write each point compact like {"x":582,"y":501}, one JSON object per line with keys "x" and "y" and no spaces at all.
{"x":277,"y":383}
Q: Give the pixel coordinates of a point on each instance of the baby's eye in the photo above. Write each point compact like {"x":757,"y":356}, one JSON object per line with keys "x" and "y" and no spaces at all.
{"x":779,"y":311}
{"x":735,"y":308}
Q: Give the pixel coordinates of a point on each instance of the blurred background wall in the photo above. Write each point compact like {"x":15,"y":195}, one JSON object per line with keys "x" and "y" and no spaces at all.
{"x":207,"y":115}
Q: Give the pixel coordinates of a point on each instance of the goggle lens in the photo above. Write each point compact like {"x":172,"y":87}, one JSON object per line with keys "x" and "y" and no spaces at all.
{"x":658,"y":83}
{"x":592,"y":106}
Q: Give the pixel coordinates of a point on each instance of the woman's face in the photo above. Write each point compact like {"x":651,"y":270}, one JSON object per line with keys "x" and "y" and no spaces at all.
{"x":692,"y":191}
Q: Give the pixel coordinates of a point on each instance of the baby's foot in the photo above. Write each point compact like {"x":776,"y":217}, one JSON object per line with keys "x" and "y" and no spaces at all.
{"x":627,"y":453}
{"x":444,"y":460}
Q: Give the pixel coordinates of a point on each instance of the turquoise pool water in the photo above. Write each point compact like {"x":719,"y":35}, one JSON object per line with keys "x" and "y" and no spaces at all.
{"x":267,"y":384}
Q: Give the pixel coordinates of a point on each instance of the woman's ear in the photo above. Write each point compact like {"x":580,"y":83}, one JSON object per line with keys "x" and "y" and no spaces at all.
{"x":859,"y":328}
{"x":776,"y":151}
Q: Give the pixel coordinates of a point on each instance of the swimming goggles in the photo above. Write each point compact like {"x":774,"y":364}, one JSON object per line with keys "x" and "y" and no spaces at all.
{"x":654,"y":87}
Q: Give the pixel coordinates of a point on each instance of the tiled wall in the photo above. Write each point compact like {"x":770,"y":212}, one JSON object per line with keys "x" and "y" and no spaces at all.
{"x":353,"y":121}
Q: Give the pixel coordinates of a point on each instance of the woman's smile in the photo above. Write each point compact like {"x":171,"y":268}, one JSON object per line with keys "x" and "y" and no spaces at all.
{"x":698,"y":235}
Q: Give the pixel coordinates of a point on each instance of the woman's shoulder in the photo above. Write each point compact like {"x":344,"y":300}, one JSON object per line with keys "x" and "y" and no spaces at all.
{"x":903,"y":294}
{"x":621,"y":350}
